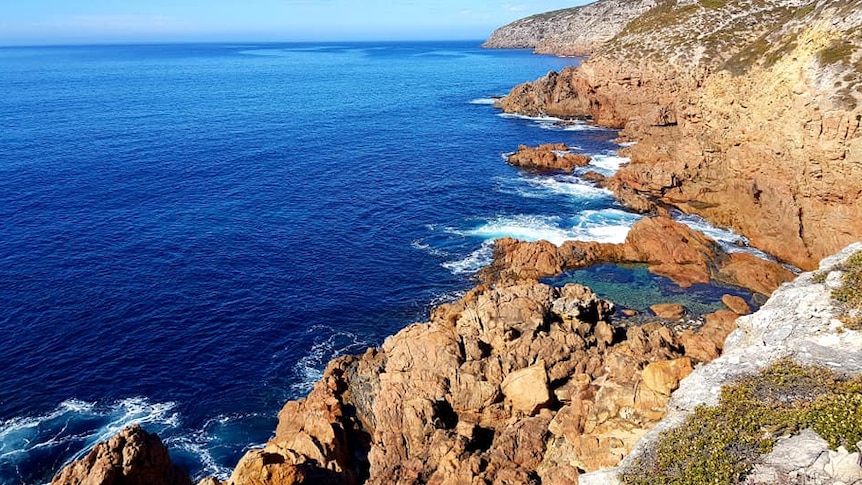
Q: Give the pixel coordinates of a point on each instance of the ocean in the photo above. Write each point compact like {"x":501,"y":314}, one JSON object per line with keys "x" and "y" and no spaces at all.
{"x":190,"y":232}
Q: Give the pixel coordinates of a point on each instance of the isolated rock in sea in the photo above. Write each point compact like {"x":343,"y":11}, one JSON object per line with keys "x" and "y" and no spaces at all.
{"x":574,"y":31}
{"x":132,"y":457}
{"x":548,"y":157}
{"x":751,"y":120}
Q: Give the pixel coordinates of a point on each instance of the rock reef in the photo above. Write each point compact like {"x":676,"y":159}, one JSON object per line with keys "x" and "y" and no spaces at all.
{"x":549,"y":158}
{"x":670,"y":249}
{"x":514,"y":383}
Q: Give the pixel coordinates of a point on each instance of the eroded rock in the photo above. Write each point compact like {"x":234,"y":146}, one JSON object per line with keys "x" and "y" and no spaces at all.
{"x":131,"y":457}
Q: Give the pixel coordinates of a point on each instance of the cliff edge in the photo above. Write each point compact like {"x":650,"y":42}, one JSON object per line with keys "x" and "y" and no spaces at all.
{"x":746,"y":113}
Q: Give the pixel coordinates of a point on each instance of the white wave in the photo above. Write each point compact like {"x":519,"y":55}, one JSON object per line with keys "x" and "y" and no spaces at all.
{"x":553,"y":123}
{"x":565,"y":185}
{"x":74,"y":427}
{"x":608,"y":163}
{"x":441,"y":298}
{"x":136,"y":410}
{"x":550,"y":119}
{"x":626,"y":144}
{"x":730,"y":241}
{"x":422,"y":246}
{"x":559,"y":125}
{"x":485,"y":101}
{"x":200,"y":443}
{"x":543,"y":187}
{"x":473,"y":262}
{"x":607,"y":225}
{"x":328,"y":344}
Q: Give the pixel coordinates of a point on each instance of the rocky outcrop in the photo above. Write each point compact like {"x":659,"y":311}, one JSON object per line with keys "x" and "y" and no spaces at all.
{"x":132,"y":457}
{"x":515,"y":383}
{"x":549,"y":157}
{"x":670,"y":249}
{"x":801,"y":322}
{"x":752,"y":121}
{"x":574,"y":31}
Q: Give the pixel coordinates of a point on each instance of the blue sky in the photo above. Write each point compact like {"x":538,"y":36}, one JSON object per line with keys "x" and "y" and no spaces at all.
{"x":71,"y":21}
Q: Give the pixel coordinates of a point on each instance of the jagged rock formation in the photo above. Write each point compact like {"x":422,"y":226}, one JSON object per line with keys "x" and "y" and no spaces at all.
{"x":745,"y":112}
{"x":576,"y":31}
{"x":523,"y":383}
{"x":132,"y":457}
{"x":514,"y":384}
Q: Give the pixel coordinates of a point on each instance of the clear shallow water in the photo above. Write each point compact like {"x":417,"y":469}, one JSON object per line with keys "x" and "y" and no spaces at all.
{"x":190,"y":232}
{"x":634,"y":287}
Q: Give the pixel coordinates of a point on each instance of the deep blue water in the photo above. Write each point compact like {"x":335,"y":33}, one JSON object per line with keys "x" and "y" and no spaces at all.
{"x":190,"y":232}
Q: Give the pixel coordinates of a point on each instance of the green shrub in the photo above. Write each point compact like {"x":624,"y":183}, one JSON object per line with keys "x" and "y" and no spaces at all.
{"x":850,"y":291}
{"x":718,"y":445}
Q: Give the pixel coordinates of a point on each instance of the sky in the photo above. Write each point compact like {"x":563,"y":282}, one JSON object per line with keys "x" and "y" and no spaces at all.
{"x":26,"y":22}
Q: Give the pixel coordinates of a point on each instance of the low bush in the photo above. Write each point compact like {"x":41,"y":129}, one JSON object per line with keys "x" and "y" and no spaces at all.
{"x":719,"y":445}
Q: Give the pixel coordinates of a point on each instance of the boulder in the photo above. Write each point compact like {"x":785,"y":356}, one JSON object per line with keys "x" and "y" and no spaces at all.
{"x":736,"y":304}
{"x":527,"y":389}
{"x":668,"y":311}
{"x":131,"y":457}
{"x":548,"y":157}
{"x":663,"y":377}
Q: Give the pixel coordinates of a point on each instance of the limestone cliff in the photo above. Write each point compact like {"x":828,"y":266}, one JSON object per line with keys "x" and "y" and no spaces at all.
{"x":745,"y":112}
{"x":576,"y":31}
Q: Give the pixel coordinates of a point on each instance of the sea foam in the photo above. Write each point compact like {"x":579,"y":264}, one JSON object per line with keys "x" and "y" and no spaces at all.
{"x":606,"y":225}
{"x":68,"y":432}
{"x":484,"y":101}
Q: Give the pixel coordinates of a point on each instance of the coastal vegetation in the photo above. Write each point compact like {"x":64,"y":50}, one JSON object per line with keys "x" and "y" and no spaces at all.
{"x":849,"y":294}
{"x":722,"y":443}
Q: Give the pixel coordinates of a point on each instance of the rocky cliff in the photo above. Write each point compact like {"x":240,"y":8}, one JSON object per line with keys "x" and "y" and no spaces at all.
{"x":521,"y":382}
{"x":747,"y":113}
{"x":518,"y":382}
{"x":576,"y":31}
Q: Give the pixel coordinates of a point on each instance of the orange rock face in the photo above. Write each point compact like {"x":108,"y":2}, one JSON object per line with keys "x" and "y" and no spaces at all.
{"x":132,"y":457}
{"x":517,"y":383}
{"x":770,"y":146}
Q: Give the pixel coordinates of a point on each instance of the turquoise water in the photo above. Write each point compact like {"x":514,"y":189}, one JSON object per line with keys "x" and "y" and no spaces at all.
{"x":634,"y":287}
